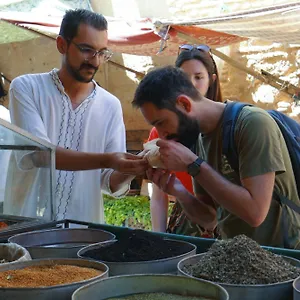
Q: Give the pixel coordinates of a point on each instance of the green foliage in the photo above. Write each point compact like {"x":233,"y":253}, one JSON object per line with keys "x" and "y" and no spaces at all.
{"x":131,"y":211}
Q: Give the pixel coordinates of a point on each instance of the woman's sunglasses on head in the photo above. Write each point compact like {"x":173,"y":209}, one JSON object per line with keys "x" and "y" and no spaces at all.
{"x":187,"y":47}
{"x":202,"y":47}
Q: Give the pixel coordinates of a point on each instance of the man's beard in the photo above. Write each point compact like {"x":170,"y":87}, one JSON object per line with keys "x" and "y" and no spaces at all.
{"x":75,"y":73}
{"x":188,"y":130}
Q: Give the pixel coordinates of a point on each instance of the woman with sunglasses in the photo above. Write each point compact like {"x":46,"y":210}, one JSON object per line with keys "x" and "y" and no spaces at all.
{"x":199,"y":64}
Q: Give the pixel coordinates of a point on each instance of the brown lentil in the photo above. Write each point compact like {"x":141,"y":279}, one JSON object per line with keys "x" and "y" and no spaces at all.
{"x":42,"y":276}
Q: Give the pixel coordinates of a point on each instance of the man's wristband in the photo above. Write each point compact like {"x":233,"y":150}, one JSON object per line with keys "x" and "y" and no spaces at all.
{"x":194,"y":168}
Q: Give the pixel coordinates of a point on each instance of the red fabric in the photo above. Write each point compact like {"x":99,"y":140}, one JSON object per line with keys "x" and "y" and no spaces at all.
{"x":209,"y":37}
{"x":184,"y":177}
{"x":134,"y":37}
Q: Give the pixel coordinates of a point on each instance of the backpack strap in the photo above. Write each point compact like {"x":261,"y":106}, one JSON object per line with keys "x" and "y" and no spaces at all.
{"x":290,"y":130}
{"x":231,"y":114}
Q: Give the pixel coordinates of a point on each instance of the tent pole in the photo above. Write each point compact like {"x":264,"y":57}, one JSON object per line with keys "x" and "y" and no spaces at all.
{"x":265,"y":77}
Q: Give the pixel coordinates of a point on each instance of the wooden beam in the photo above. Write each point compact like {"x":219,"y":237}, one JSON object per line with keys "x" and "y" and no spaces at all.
{"x":140,"y":75}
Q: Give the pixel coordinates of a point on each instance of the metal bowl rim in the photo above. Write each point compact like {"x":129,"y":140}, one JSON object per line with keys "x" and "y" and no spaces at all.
{"x":296,"y":280}
{"x":136,"y":262}
{"x":85,"y":282}
{"x":151,"y":275}
{"x":237,"y":285}
{"x":30,"y":233}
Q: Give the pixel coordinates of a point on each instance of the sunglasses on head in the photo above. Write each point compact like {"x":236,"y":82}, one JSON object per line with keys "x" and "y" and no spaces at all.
{"x":187,"y":47}
{"x":202,"y":47}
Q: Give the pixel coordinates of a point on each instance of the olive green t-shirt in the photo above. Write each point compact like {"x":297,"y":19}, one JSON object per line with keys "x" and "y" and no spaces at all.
{"x":261,"y":149}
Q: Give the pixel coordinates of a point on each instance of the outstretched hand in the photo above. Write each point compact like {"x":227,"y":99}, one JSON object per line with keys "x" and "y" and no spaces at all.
{"x":129,"y":163}
{"x":174,"y":155}
{"x":166,"y":181}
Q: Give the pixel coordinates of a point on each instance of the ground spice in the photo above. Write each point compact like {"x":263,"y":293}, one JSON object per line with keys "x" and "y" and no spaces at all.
{"x":3,"y":225}
{"x":242,"y":261}
{"x":157,"y":296}
{"x":138,"y":245}
{"x":42,"y":276}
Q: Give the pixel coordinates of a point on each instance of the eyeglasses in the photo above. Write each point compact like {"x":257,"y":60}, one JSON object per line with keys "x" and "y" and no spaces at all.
{"x":88,"y":53}
{"x":201,"y":47}
{"x":188,"y":47}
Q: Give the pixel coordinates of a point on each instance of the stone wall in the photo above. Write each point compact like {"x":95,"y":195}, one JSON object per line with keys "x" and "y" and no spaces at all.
{"x":277,"y":59}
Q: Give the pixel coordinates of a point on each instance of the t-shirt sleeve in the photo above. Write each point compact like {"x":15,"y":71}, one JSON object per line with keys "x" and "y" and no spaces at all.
{"x":259,"y":144}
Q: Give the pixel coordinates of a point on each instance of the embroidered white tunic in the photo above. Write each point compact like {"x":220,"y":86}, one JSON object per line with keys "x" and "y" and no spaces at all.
{"x":4,"y":154}
{"x":39,"y":105}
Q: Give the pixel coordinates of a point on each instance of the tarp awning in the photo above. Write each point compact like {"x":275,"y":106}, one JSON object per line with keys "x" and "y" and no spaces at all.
{"x":278,"y":23}
{"x":137,"y":37}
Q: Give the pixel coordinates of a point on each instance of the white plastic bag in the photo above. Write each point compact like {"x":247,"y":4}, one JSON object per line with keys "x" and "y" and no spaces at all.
{"x":11,"y":252}
{"x":153,"y":155}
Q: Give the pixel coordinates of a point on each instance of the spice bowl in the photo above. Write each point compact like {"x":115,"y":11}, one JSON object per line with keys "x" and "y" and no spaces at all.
{"x":59,"y":243}
{"x":274,"y":291}
{"x":122,"y":286}
{"x":156,"y":266}
{"x":20,"y":286}
{"x":296,"y":289}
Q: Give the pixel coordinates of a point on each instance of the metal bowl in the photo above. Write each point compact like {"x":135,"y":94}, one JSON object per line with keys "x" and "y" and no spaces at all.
{"x":57,"y":292}
{"x":296,"y":288}
{"x":159,"y":266}
{"x":59,"y":243}
{"x":274,"y":291}
{"x":121,"y":286}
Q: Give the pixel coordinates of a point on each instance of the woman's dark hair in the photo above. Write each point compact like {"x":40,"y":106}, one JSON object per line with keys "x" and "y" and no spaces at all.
{"x":214,"y":90}
{"x":73,"y":18}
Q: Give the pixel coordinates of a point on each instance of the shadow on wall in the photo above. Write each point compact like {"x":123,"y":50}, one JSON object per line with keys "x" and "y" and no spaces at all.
{"x":280,"y":60}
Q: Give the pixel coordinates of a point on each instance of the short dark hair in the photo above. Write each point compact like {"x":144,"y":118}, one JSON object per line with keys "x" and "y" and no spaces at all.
{"x":214,"y":90}
{"x":162,"y":86}
{"x":73,"y":18}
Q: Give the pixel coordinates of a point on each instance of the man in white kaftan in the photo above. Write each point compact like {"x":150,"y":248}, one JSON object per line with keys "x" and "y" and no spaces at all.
{"x":4,"y":156}
{"x":96,"y":125}
{"x":68,"y":109}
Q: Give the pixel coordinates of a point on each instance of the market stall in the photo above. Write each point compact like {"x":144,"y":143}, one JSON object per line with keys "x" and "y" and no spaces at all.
{"x":48,"y":240}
